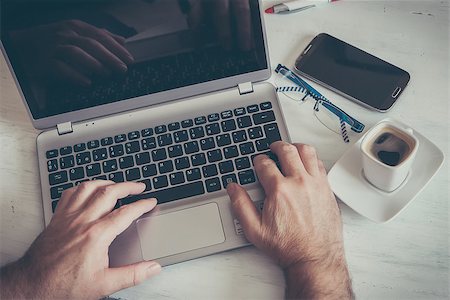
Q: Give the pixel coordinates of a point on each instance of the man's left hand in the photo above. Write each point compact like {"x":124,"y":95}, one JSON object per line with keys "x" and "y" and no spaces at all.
{"x":70,"y":257}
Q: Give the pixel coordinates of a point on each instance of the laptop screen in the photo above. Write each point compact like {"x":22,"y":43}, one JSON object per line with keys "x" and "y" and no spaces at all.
{"x":70,"y":55}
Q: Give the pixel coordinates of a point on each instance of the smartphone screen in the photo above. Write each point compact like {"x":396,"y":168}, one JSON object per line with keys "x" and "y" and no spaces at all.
{"x":352,"y":72}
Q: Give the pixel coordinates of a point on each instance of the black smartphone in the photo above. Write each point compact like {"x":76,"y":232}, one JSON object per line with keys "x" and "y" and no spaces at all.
{"x":352,"y":72}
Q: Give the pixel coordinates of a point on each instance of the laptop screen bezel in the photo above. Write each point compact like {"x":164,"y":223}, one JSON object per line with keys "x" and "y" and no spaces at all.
{"x":146,"y":100}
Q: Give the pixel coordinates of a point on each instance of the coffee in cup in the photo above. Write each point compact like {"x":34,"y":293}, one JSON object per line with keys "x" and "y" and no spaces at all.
{"x":388,"y":151}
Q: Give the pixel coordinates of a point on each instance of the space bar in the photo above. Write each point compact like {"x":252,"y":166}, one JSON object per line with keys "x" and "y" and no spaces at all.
{"x":170,"y":194}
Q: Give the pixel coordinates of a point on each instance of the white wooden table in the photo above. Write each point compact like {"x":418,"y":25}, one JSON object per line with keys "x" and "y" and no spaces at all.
{"x":408,"y":258}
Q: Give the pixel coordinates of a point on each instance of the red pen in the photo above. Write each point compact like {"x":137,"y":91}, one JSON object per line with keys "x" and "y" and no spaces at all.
{"x":292,"y":6}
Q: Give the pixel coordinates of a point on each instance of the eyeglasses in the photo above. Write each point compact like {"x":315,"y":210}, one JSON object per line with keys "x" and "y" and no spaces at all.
{"x":331,"y":116}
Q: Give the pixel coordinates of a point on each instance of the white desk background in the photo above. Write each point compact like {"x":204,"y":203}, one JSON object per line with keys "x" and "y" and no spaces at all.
{"x":407,"y":258}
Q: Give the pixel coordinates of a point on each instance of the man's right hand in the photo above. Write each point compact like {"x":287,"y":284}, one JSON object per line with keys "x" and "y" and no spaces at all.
{"x":300,"y":225}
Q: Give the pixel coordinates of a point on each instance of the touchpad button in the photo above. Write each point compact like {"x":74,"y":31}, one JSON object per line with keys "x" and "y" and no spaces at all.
{"x":180,"y":231}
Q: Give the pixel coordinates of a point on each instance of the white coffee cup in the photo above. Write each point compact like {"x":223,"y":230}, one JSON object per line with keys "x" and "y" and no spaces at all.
{"x":388,"y":152}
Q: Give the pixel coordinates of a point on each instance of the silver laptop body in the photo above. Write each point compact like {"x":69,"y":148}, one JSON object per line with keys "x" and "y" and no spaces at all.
{"x":195,"y":218}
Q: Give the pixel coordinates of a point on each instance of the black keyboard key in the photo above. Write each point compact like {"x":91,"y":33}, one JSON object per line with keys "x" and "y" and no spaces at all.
{"x":76,"y":173}
{"x":101,"y":177}
{"x":126,"y":162}
{"x":239,"y":111}
{"x":213,"y":117}
{"x":132,"y":174}
{"x":180,"y":136}
{"x":242,"y":163}
{"x":191,"y":147}
{"x":239,"y":136}
{"x":207,"y":143}
{"x":148,"y":143}
{"x":196,"y":132}
{"x":226,"y":167}
{"x":93,"y":169}
{"x":165,"y":140}
{"x":58,"y":177}
{"x":214,"y":155}
{"x":142,"y":158}
{"x":106,"y":141}
{"x":109,"y":166}
{"x":51,"y":153}
{"x":149,"y":170}
{"x":66,"y":162}
{"x":165,"y":166}
{"x":252,"y":108}
{"x":133,"y":135}
{"x":177,"y":178}
{"x":83,"y":158}
{"x":93,"y":144}
{"x":209,"y":170}
{"x":228,"y":125}
{"x":148,"y":184}
{"x":65,"y":150}
{"x":174,"y":126}
{"x":226,"y":114}
{"x":272,"y":133}
{"x":229,"y":178}
{"x":54,"y":204}
{"x":255,"y":132}
{"x":52,"y":165}
{"x":182,"y":163}
{"x":159,"y":154}
{"x":160,"y":129}
{"x":116,"y":150}
{"x":187,"y":123}
{"x":116,"y":177}
{"x":213,"y":128}
{"x":262,"y":144}
{"x":230,"y":152}
{"x":263,"y":117}
{"x":193,"y":174}
{"x":147,"y":132}
{"x":200,"y":120}
{"x":246,"y":177}
{"x":271,"y":155}
{"x":99,"y":154}
{"x":160,"y":182}
{"x":198,"y":159}
{"x":265,"y":105}
{"x":175,"y":151}
{"x":247,"y":148}
{"x":120,"y":138}
{"x":132,"y":147}
{"x":56,"y":191}
{"x":171,"y":194}
{"x":244,"y":122}
{"x":223,"y":140}
{"x":79,"y":147}
{"x":80,"y":181}
{"x":212,"y":184}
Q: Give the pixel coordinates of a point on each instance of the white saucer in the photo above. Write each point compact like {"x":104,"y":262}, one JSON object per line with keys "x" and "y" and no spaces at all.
{"x":348,"y":183}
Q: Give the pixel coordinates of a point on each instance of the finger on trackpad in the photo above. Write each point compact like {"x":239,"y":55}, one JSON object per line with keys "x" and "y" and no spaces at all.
{"x":180,"y":231}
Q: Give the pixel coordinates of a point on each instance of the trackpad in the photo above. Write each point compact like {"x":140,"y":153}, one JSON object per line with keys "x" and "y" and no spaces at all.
{"x":180,"y":231}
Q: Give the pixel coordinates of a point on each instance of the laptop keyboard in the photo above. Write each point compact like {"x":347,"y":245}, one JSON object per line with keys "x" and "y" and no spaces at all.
{"x":177,"y":160}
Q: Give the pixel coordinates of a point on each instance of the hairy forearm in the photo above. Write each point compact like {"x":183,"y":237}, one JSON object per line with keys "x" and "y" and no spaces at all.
{"x":319,"y":279}
{"x":13,"y":281}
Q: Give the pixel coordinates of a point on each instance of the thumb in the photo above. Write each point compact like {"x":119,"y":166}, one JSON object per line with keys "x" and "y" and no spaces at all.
{"x":245,"y":211}
{"x":124,"y":277}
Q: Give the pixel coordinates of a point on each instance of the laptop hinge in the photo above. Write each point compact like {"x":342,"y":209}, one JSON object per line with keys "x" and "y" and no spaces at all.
{"x":64,"y":128}
{"x":245,"y":88}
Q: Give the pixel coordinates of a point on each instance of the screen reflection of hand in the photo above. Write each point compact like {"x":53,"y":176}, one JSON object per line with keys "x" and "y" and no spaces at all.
{"x":230,"y":19}
{"x":71,"y":51}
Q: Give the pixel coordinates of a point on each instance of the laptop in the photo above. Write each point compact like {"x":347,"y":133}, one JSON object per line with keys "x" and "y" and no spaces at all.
{"x":185,"y":115}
